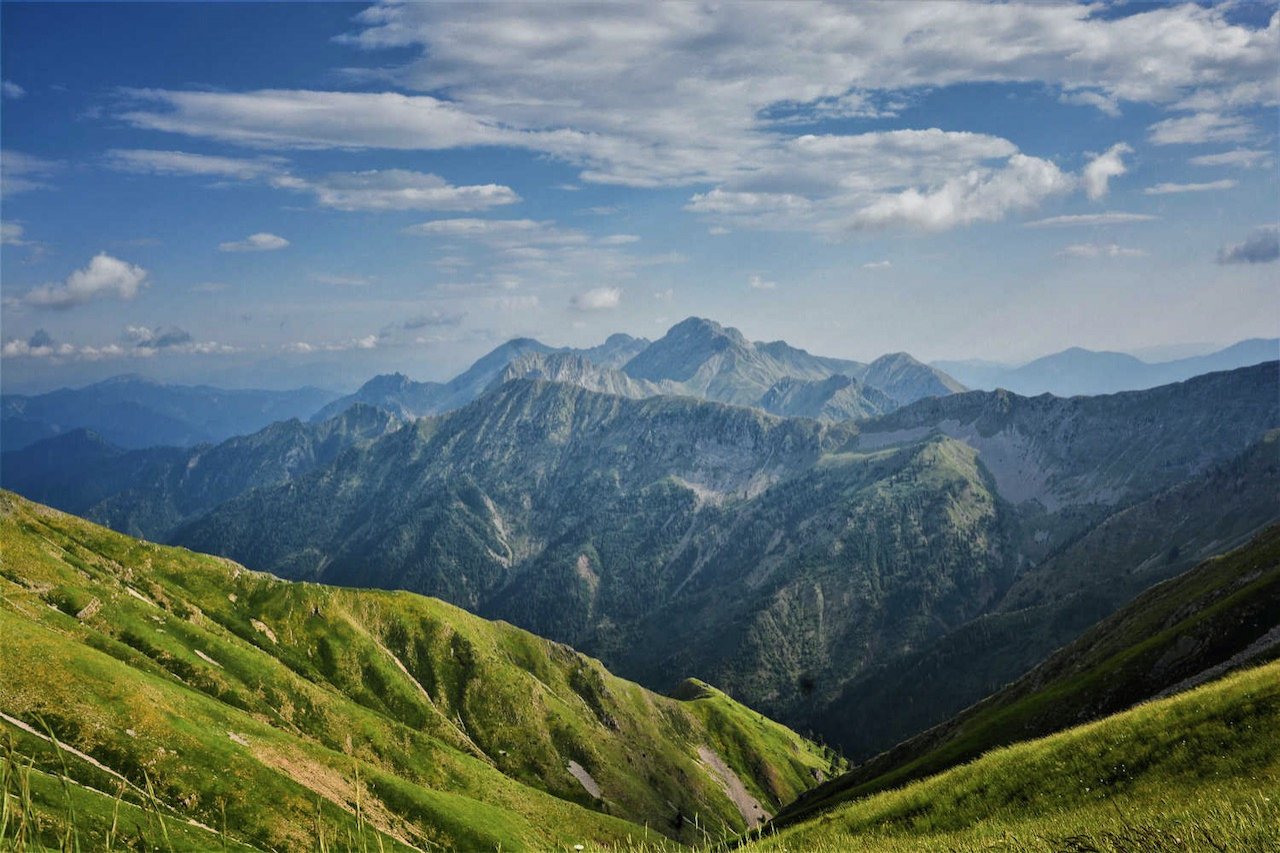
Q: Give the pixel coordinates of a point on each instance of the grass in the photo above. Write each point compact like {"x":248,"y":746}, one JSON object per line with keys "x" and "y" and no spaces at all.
{"x":302,"y":716}
{"x":1174,"y":630}
{"x":1198,"y":771}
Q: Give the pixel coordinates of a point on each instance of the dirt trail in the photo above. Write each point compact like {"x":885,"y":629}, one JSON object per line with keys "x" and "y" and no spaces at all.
{"x":748,"y":806}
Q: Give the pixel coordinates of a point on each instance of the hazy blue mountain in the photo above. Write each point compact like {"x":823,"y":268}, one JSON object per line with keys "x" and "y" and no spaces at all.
{"x":148,"y":492}
{"x":1081,"y":371}
{"x":696,"y":358}
{"x":132,"y":412}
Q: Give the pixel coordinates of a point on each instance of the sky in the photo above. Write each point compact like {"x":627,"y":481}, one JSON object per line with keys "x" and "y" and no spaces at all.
{"x":276,"y":195}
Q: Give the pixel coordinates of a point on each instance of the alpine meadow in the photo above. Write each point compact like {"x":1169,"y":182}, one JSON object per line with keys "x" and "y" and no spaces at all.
{"x":796,"y":425}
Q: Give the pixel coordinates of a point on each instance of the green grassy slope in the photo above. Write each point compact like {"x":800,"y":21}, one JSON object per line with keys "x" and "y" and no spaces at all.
{"x":1226,"y":608}
{"x":1199,"y":771}
{"x":294,"y":710}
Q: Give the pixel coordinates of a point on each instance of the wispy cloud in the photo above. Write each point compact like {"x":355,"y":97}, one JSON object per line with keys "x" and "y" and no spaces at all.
{"x":1171,"y":188}
{"x":1242,"y":158}
{"x":260,"y":242}
{"x":1112,"y":217}
{"x":1099,"y":250}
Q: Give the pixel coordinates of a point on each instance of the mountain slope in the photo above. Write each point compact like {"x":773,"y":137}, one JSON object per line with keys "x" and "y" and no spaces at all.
{"x":149,"y":492}
{"x":275,"y":703}
{"x":1197,"y":771}
{"x":132,"y":412}
{"x":1221,"y":614}
{"x":1052,"y":602}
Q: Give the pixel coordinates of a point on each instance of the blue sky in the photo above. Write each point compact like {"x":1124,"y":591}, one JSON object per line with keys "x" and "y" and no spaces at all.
{"x":277,"y":194}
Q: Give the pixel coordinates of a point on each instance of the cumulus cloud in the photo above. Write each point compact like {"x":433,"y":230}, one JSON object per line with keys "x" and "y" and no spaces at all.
{"x":1260,"y":247}
{"x":1111,"y":217}
{"x":1099,"y":250}
{"x":597,"y":299}
{"x":260,"y":242}
{"x":161,"y":337}
{"x":1242,"y":158}
{"x":756,"y":282}
{"x":105,"y":277}
{"x":1098,"y":173}
{"x":877,"y":265}
{"x":11,"y":90}
{"x":1208,"y":186}
{"x":136,"y":342}
{"x":978,"y":196}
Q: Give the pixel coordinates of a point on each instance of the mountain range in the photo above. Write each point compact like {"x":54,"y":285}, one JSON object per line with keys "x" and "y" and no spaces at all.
{"x":133,"y":412}
{"x":1080,"y":371}
{"x":696,"y":358}
{"x":825,"y":573}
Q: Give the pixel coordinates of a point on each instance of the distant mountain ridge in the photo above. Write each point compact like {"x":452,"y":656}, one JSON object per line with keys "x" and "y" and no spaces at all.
{"x":1078,"y":371}
{"x":695,"y":358}
{"x":133,"y":412}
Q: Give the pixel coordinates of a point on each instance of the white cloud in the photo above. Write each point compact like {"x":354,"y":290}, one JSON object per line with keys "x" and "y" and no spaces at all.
{"x":1098,"y":173}
{"x":104,"y":277}
{"x":1168,"y":188}
{"x":500,"y":232}
{"x":597,"y":299}
{"x":1200,"y":128}
{"x":1112,"y":217}
{"x":1099,"y":250}
{"x":1242,"y":158}
{"x":1103,"y":103}
{"x":12,"y":90}
{"x":397,"y":189}
{"x":385,"y":189}
{"x":631,"y":94}
{"x":147,"y":161}
{"x":137,"y":342}
{"x":718,"y":231}
{"x":260,"y":242}
{"x":978,"y":196}
{"x":877,"y":265}
{"x":11,"y":234}
{"x":756,"y":282}
{"x":21,"y":172}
